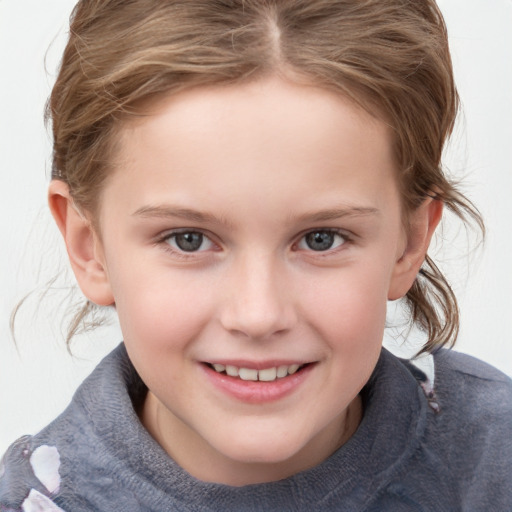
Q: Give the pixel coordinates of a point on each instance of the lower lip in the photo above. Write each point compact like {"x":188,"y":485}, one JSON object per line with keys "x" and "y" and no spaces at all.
{"x":257,"y":392}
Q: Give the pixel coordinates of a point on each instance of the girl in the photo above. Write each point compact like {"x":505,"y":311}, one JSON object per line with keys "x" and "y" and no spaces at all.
{"x":248,"y":183}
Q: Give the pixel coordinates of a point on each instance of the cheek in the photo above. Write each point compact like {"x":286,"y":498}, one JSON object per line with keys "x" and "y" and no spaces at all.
{"x":349,"y":308}
{"x":161,"y":310}
{"x":160,"y":319}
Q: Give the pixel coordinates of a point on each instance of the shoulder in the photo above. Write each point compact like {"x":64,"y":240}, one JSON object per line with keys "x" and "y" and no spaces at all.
{"x":471,"y":435}
{"x":463,"y":454}
{"x":465,"y":364}
{"x":37,"y":471}
{"x":475,"y":415}
{"x":469,"y":385}
{"x":29,"y":477}
{"x":475,"y":401}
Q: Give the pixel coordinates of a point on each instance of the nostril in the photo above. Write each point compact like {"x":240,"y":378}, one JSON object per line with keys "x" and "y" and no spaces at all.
{"x":258,"y":324}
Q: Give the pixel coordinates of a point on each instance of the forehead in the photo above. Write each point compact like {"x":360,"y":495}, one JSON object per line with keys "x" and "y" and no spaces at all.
{"x":273,"y":138}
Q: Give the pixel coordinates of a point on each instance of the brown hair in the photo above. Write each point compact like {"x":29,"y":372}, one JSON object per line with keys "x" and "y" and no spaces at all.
{"x":389,"y":56}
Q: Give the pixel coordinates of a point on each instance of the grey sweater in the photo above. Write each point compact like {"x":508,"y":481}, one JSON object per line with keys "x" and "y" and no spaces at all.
{"x":407,"y":455}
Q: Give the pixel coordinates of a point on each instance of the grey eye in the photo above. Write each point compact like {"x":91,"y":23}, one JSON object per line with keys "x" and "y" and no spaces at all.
{"x":190,"y":241}
{"x":321,"y":240}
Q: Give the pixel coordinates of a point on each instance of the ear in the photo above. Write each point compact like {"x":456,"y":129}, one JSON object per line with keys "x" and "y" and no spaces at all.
{"x":422,"y":224}
{"x":82,"y":243}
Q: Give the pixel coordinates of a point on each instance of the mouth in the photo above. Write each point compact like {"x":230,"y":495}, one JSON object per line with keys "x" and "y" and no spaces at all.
{"x":270,"y":374}
{"x":257,"y":383}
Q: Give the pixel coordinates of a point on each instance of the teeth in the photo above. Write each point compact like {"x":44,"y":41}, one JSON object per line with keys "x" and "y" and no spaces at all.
{"x":282,"y":371}
{"x":293,"y":368}
{"x":232,"y":371}
{"x":265,"y":375}
{"x":247,"y":374}
{"x":268,"y":375}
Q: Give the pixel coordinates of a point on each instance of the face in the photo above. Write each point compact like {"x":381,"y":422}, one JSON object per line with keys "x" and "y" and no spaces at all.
{"x":251,"y":237}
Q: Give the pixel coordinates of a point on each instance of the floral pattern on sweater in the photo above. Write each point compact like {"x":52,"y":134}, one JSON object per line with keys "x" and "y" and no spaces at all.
{"x":32,"y":477}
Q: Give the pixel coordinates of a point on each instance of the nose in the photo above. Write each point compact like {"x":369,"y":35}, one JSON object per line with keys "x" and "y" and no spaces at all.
{"x":258,"y":301}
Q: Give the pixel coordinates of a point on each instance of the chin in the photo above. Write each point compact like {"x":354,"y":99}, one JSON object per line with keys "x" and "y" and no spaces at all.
{"x":261,"y":448}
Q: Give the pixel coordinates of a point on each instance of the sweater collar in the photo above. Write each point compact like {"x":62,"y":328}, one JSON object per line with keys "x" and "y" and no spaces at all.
{"x":390,"y":431}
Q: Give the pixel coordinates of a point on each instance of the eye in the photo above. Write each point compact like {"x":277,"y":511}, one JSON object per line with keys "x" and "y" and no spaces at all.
{"x":189,"y":241}
{"x":321,"y":240}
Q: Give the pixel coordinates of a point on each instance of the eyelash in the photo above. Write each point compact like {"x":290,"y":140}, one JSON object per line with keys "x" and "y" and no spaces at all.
{"x":180,"y":253}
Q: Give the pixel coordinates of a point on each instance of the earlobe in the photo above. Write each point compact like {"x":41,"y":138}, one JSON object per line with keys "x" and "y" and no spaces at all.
{"x":422,"y":224}
{"x":82,"y":244}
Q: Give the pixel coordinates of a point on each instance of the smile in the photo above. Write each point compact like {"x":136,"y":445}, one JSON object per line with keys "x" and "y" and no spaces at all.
{"x":251,"y":374}
{"x":257,"y":385}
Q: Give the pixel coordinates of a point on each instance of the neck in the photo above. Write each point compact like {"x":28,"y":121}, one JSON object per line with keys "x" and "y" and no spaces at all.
{"x":188,"y":449}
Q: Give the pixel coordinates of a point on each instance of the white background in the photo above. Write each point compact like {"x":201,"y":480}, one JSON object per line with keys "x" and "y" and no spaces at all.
{"x":38,"y":378}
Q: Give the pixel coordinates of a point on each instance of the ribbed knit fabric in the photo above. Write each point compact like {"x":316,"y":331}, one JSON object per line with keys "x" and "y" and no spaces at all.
{"x":405,"y":455}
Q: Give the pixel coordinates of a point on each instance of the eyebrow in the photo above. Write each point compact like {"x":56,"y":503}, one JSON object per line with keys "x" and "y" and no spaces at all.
{"x":169,"y":211}
{"x":338,"y":213}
